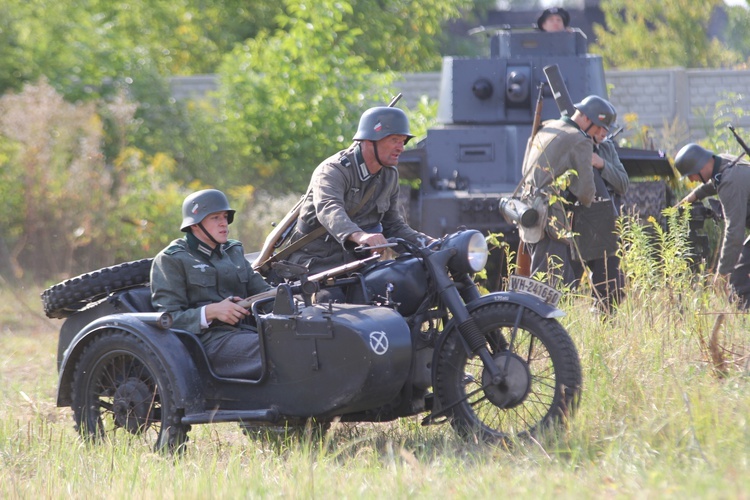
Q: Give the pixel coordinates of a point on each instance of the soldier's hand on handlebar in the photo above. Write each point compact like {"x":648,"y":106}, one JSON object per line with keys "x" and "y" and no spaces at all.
{"x":364,"y":239}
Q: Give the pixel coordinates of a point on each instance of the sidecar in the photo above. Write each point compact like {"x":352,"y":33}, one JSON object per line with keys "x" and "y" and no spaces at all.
{"x":122,"y":368}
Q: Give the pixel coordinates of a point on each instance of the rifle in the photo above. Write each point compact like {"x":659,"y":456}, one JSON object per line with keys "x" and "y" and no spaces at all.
{"x":739,"y":139}
{"x":567,"y":108}
{"x":321,"y":277}
{"x":283,"y":230}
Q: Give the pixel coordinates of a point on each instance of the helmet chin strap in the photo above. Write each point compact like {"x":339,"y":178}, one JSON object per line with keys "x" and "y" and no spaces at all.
{"x":377,"y":156}
{"x":200,"y":225}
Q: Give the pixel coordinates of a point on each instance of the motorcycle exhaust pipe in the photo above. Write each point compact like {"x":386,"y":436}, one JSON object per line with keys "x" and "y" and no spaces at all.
{"x":514,"y":210}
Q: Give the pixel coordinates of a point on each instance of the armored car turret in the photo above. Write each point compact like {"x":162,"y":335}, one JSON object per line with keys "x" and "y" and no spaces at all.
{"x":486,"y":108}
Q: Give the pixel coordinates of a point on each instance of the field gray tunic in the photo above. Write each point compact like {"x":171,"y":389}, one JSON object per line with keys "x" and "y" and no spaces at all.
{"x":732,"y":184}
{"x":337,"y":187}
{"x":559,"y":146}
{"x":614,"y":171}
{"x":188,"y":275}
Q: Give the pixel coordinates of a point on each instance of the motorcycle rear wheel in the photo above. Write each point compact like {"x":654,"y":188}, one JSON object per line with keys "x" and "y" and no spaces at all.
{"x":543,"y":374}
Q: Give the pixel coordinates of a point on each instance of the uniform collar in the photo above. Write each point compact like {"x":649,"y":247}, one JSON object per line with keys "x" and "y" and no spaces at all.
{"x":198,"y":246}
{"x":572,"y":123}
{"x":359,"y":163}
{"x":717,"y":170}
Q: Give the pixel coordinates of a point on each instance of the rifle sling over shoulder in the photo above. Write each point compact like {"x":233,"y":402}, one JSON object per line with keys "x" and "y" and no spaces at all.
{"x":318,"y":231}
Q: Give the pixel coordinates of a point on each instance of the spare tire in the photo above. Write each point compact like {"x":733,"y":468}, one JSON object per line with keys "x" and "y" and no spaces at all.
{"x":64,"y":299}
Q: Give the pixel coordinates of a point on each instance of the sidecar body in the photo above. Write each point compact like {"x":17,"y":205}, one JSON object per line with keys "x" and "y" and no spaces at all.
{"x":317,"y":361}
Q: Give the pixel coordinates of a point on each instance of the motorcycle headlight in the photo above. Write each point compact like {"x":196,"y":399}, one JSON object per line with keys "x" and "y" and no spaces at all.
{"x":471,"y":251}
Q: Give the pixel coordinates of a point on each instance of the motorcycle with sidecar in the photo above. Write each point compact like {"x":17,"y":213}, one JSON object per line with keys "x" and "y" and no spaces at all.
{"x":414,"y":336}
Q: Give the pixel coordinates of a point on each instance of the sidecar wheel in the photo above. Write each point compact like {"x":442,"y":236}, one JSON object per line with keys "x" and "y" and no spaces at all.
{"x":543,"y":376}
{"x":120,"y":385}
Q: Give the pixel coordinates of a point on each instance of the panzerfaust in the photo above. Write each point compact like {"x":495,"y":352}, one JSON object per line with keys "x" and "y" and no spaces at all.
{"x":514,"y":210}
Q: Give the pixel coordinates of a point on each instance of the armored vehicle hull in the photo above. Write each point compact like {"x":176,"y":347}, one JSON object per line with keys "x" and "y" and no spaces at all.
{"x":485,"y":114}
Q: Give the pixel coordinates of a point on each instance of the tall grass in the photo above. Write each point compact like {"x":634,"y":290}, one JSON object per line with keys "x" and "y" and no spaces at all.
{"x":658,"y":416}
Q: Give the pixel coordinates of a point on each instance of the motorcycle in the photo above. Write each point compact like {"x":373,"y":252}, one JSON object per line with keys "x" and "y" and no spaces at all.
{"x":414,"y":336}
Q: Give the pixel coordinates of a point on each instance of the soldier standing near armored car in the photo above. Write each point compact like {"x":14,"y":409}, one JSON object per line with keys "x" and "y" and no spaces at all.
{"x":563,"y":145}
{"x":605,"y":273}
{"x":352,"y":199}
{"x":730,"y":179}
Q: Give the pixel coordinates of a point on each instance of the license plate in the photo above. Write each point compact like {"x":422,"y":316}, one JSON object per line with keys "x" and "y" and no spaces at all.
{"x":539,"y":290}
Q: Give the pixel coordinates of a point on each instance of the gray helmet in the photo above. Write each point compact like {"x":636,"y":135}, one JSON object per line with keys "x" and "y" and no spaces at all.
{"x":553,"y":11}
{"x":200,"y":204}
{"x":382,"y":121}
{"x":691,"y":159}
{"x":598,"y":110}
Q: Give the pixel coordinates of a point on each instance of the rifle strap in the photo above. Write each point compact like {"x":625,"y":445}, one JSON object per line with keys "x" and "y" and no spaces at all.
{"x":316,"y":233}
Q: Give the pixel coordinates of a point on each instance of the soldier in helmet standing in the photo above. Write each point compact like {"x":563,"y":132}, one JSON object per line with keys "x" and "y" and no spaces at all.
{"x":200,"y":278}
{"x":559,"y":146}
{"x":730,"y":179}
{"x":606,"y":276}
{"x":353,"y":195}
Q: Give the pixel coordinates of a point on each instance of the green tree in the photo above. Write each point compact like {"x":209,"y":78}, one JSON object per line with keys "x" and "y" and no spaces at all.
{"x":407,"y":35}
{"x":288,"y":97}
{"x":737,"y":33}
{"x":647,"y":34}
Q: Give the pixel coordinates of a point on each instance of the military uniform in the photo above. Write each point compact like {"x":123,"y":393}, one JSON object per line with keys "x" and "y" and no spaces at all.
{"x":732,"y":184}
{"x":188,"y":275}
{"x":606,"y":275}
{"x":337,"y":187}
{"x":559,"y":146}
{"x":613,"y":173}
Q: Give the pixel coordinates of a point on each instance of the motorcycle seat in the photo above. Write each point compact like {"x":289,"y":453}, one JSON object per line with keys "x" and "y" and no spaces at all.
{"x":137,"y":299}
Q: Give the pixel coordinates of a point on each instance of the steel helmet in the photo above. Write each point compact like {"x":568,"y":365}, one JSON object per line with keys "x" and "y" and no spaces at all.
{"x":598,"y":110}
{"x":200,"y":204}
{"x":382,"y":121}
{"x":559,"y":11}
{"x":691,"y":159}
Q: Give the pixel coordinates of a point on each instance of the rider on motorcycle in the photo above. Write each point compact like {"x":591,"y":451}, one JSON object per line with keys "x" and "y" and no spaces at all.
{"x":353,"y":195}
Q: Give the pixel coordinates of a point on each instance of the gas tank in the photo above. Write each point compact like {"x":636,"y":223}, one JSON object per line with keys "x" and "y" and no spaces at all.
{"x":407,"y":279}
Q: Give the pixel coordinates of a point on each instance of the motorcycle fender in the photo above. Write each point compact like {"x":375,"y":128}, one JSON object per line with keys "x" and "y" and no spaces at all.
{"x":174,"y":356}
{"x":522,"y":299}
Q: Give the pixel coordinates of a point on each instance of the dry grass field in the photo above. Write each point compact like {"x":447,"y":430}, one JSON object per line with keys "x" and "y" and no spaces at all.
{"x":658,"y":418}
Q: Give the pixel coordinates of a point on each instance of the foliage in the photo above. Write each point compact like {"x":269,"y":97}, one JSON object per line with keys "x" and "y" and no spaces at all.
{"x":675,"y":30}
{"x":654,"y":257}
{"x":80,"y":45}
{"x":737,"y":32}
{"x":289,"y":96}
{"x":407,"y":35}
{"x":728,"y":110}
{"x":64,"y":207}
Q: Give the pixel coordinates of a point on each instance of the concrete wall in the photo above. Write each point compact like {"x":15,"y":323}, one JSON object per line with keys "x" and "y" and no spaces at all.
{"x":672,"y":96}
{"x":678,"y":104}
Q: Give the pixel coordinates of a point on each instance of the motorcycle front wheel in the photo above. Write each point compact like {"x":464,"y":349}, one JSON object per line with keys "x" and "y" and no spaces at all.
{"x":542,"y":376}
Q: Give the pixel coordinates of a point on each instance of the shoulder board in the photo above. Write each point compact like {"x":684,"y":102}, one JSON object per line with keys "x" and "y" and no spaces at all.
{"x":176,"y":246}
{"x":346,"y":162}
{"x":232,"y":243}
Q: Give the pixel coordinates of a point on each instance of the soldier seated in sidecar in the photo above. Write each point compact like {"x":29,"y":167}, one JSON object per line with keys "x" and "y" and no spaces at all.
{"x":200,"y":278}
